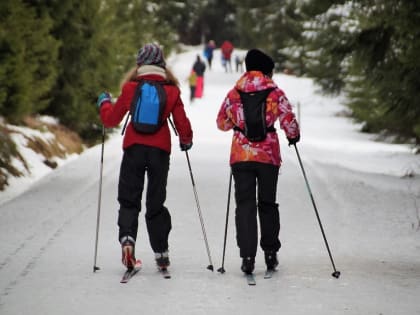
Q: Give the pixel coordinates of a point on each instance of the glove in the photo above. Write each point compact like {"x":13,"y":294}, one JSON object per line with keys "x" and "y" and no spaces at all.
{"x":293,"y":141}
{"x":185,"y":147}
{"x":103,"y":97}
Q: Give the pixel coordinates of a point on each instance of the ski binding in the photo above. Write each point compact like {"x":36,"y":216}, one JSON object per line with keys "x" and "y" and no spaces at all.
{"x":165,"y":272}
{"x":250,"y":279}
{"x":129,"y":273}
{"x":269,"y":273}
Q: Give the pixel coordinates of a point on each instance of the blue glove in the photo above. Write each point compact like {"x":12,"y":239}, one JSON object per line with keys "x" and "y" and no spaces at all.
{"x":293,"y":141}
{"x":185,"y":147}
{"x":103,"y":97}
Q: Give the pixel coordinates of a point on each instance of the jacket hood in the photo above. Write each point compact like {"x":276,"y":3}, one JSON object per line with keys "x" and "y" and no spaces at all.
{"x":254,"y":81}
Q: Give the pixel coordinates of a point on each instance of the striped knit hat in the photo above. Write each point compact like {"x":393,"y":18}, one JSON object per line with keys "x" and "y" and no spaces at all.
{"x":150,"y":54}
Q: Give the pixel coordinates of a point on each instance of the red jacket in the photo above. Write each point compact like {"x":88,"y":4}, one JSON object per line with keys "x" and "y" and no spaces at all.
{"x":227,"y":49}
{"x":113,"y":114}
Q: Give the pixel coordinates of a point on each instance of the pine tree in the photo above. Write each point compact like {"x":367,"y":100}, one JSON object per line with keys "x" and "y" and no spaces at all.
{"x":28,"y":55}
{"x":327,"y":43}
{"x":387,"y":54}
{"x":269,"y":25}
{"x":99,"y":41}
{"x":369,"y":50}
{"x":87,"y":62}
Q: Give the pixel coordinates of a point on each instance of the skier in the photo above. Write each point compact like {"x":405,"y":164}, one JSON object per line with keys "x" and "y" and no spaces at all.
{"x":146,"y":153}
{"x":208,"y":52}
{"x":255,"y":164}
{"x":192,"y":82}
{"x":227,"y":49}
{"x":239,"y":61}
{"x":199,"y":67}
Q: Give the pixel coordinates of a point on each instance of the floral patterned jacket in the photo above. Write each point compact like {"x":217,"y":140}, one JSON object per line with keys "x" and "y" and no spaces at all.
{"x":277,"y":108}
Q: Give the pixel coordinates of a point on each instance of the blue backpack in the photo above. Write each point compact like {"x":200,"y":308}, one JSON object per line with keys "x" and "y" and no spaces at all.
{"x":147,"y":106}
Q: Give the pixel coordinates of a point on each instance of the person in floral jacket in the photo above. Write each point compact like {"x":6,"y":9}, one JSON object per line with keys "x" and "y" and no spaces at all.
{"x":255,"y":165}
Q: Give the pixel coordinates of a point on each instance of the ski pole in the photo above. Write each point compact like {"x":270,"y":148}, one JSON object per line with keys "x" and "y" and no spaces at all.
{"x":173,"y":126}
{"x":210,"y":267}
{"x":335,"y":274}
{"x":222,"y":269}
{"x":95,"y":268}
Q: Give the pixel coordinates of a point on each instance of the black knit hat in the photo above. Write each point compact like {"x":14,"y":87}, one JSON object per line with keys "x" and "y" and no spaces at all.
{"x":258,"y":61}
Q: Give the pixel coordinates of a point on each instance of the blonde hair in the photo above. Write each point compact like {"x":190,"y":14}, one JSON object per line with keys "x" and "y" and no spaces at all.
{"x":131,"y":75}
{"x":171,"y":77}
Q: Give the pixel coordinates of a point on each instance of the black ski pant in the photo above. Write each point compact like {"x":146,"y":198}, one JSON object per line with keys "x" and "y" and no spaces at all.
{"x":192,"y":92}
{"x":255,"y":192}
{"x":137,"y":161}
{"x":209,"y":60}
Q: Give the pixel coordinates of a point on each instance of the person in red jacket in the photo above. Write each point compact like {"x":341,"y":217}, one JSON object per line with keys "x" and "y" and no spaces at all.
{"x":255,"y":164}
{"x":227,"y":49}
{"x":146,"y":153}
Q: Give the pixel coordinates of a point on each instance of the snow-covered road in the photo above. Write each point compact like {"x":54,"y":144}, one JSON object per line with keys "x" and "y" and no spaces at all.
{"x":371,"y":220}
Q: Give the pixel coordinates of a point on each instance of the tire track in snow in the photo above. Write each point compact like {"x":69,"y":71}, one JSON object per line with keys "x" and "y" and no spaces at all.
{"x":69,"y":187}
{"x":32,"y":262}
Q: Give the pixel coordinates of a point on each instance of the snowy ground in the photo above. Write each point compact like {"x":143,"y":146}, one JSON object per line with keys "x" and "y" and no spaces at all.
{"x":369,"y":209}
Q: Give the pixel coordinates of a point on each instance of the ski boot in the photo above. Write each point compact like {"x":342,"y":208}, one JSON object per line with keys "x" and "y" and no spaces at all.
{"x":271,"y":260}
{"x":162,"y":260}
{"x":128,"y":256}
{"x":248,"y":264}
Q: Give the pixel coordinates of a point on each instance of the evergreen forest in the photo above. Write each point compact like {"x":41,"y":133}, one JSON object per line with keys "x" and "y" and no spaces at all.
{"x":56,"y":56}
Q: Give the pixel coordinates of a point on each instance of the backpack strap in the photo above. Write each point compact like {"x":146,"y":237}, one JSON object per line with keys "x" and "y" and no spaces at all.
{"x":163,"y":82}
{"x":269,"y":129}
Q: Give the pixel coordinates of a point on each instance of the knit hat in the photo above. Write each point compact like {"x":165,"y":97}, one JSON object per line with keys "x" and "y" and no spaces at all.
{"x":258,"y":61}
{"x":150,"y":54}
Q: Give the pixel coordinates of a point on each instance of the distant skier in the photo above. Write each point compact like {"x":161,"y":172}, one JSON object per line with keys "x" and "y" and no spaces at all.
{"x":208,"y":52}
{"x":192,"y":81}
{"x":199,"y":67}
{"x":239,"y":61}
{"x":255,"y":163}
{"x":146,"y":153}
{"x":227,"y":49}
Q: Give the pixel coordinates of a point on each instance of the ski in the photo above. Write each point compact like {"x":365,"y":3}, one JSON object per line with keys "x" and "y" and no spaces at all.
{"x":129,"y":273}
{"x":250,"y":279}
{"x":269,"y":273}
{"x":165,"y":273}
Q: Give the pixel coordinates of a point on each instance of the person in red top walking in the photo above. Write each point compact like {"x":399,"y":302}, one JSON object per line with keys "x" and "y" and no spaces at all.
{"x":146,"y":154}
{"x":227,"y":49}
{"x":255,"y":164}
